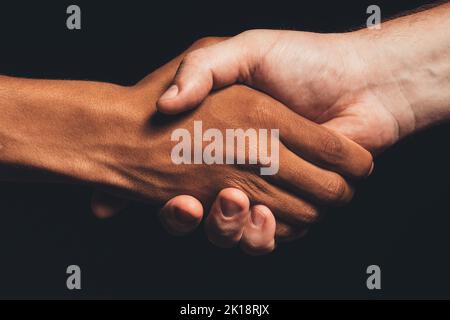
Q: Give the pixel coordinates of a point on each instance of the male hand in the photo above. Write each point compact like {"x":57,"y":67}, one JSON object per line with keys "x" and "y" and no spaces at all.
{"x":318,"y":182}
{"x":356,"y":83}
{"x":324,"y":77}
{"x":374,"y":86}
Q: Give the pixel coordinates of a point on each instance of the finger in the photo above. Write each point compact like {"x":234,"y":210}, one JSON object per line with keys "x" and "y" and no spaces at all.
{"x":215,"y":66}
{"x":226,"y":221}
{"x":353,"y":132}
{"x":181,"y":215}
{"x":105,"y":205}
{"x":317,"y":144}
{"x":286,"y":233}
{"x":284,"y":205}
{"x":259,"y":232}
{"x":311,"y":182}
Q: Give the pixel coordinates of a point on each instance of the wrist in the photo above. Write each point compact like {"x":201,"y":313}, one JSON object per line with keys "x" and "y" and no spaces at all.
{"x":377,"y":85}
{"x":407,"y":69}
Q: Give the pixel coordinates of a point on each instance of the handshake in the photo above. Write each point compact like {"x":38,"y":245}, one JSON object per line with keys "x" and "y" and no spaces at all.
{"x":263,"y":130}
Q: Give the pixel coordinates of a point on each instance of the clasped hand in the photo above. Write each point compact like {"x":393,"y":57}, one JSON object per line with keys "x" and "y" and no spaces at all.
{"x":316,"y":166}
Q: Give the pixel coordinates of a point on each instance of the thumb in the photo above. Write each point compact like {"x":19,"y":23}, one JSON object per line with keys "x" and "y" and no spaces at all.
{"x":181,"y":215}
{"x":206,"y":68}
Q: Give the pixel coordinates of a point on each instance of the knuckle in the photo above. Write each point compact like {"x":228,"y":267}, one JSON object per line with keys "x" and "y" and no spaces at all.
{"x":192,"y":62}
{"x":193,"y":57}
{"x":332,"y":146}
{"x":207,"y":41}
{"x":247,"y":182}
{"x":309,"y":214}
{"x":336,"y":191}
{"x":252,"y":34}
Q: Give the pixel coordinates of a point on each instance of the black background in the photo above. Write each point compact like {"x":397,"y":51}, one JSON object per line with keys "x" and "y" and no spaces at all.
{"x":398,"y":220}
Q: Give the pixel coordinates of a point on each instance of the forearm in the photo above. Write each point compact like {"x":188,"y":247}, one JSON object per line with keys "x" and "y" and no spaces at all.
{"x":76,"y":129}
{"x":49,"y":125}
{"x":412,"y":56}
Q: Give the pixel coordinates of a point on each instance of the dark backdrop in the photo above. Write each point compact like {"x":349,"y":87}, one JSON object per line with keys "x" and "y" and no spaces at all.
{"x":398,"y":220}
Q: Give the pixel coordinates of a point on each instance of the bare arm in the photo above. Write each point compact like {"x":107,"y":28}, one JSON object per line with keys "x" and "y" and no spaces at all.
{"x":411,"y":55}
{"x":374,"y":86}
{"x":45,"y":123}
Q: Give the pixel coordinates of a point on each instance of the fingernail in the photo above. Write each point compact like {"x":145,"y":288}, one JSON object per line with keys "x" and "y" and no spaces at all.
{"x":184,"y":216}
{"x":229,"y":208}
{"x":258,"y":218}
{"x":371,"y":169}
{"x":171,"y":93}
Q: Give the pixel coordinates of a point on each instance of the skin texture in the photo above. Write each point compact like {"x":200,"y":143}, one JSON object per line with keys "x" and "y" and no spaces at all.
{"x":114,"y":138}
{"x":373,"y":86}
